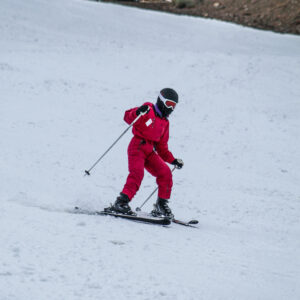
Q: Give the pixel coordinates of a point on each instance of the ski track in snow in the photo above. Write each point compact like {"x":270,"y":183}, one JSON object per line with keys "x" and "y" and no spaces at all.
{"x":68,"y":71}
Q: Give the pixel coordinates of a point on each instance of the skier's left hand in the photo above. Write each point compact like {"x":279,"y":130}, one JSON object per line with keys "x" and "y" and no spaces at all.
{"x":178,"y":163}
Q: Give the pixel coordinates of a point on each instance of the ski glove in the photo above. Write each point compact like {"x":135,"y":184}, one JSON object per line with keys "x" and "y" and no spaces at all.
{"x":143,"y":109}
{"x":178,"y":163}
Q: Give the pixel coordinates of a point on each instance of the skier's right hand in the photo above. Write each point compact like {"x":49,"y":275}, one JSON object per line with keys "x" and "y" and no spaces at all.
{"x":142,"y":109}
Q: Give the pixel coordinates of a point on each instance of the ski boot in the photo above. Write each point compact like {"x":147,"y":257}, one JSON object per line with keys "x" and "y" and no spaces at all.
{"x":121,"y":205}
{"x":161,"y":208}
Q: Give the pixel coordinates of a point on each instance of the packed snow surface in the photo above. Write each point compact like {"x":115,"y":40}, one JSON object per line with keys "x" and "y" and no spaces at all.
{"x":68,"y":71}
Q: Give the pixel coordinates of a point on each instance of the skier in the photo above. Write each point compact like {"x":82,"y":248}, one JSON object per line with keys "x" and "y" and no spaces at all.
{"x":149,"y":149}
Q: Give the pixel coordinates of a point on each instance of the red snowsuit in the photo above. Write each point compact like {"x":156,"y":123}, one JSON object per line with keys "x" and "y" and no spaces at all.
{"x":148,"y":149}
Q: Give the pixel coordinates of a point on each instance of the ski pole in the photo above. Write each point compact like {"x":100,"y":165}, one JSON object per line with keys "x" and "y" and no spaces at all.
{"x":139,"y":208}
{"x":87,"y":172}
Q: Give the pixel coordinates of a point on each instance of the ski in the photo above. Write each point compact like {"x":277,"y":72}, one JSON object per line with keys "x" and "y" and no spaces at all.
{"x":155,"y":213}
{"x":190,"y":223}
{"x":139,"y":217}
{"x":145,"y":218}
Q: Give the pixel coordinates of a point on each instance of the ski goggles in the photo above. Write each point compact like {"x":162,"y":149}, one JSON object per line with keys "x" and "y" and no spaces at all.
{"x":167,"y":102}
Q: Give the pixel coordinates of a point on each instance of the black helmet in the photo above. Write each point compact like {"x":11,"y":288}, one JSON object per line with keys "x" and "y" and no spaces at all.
{"x":166,"y":101}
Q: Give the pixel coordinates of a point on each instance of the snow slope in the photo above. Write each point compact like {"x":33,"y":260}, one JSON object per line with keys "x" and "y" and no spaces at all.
{"x":68,"y":70}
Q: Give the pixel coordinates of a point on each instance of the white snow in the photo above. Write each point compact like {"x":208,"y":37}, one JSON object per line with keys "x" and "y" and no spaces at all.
{"x":68,"y":71}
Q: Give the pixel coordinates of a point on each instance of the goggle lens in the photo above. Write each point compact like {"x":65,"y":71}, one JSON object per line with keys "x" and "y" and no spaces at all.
{"x":170,"y":104}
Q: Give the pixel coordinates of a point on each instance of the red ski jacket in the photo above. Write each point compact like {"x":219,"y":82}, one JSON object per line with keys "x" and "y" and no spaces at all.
{"x":153,"y":129}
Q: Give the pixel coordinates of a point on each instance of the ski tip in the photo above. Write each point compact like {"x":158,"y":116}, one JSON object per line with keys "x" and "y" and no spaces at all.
{"x":193,"y":222}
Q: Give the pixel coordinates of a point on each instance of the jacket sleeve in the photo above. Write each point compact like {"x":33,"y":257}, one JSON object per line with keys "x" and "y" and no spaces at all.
{"x":130,"y":115}
{"x":162,"y":147}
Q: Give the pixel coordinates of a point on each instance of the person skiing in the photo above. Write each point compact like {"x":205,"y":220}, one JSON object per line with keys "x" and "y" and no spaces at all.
{"x":148,"y":149}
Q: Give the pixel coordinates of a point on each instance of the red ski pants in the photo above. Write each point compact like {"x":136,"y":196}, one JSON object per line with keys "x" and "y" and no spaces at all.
{"x":142,"y":156}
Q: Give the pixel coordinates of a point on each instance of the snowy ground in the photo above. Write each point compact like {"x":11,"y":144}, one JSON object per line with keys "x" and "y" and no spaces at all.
{"x":68,"y":70}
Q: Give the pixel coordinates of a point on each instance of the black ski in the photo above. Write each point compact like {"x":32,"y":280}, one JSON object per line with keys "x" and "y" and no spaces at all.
{"x":145,"y":218}
{"x":190,"y":223}
{"x":155,"y":213}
